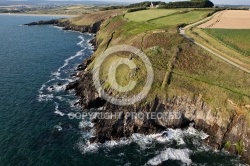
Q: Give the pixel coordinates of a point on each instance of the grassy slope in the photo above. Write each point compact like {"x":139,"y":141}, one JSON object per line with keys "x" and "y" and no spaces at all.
{"x":234,"y":38}
{"x":218,"y":46}
{"x":181,"y":18}
{"x":180,"y":68}
{"x":89,"y":19}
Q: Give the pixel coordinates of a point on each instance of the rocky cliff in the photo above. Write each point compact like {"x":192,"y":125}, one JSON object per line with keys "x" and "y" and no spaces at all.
{"x":227,"y":125}
{"x":93,"y":28}
{"x":230,"y":133}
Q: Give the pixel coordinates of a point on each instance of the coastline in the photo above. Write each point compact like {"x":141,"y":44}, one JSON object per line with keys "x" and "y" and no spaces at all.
{"x":40,"y":15}
{"x":194,"y":110}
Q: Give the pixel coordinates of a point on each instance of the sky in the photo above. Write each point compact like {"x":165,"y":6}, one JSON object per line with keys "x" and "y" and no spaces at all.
{"x":228,"y":2}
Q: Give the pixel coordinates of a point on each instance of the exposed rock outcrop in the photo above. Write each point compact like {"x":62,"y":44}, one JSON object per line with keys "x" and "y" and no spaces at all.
{"x":94,"y":28}
{"x":220,"y":128}
{"x":49,"y":22}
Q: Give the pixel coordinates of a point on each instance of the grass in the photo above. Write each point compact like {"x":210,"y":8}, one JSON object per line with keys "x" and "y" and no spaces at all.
{"x":89,"y":19}
{"x":237,"y":39}
{"x":194,"y":71}
{"x":124,"y":75}
{"x":218,"y":46}
{"x":201,"y":66}
{"x":181,"y":18}
{"x":147,"y":15}
{"x":239,"y":146}
{"x":160,"y":19}
{"x":133,"y":28}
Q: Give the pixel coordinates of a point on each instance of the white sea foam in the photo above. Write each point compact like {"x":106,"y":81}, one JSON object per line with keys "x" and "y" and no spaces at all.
{"x":57,"y":27}
{"x":85,"y":124}
{"x":171,"y":154}
{"x":58,"y":127}
{"x":57,"y":111}
{"x":94,"y":147}
{"x":88,"y":147}
{"x":193,"y":131}
{"x":58,"y":88}
{"x":121,"y":142}
{"x":81,"y":42}
{"x":44,"y":85}
{"x":66,"y":62}
{"x":166,"y":136}
{"x":59,"y":98}
{"x":43,"y":97}
{"x":144,"y":141}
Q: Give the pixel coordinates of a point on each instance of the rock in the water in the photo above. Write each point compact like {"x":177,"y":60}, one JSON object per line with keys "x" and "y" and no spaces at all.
{"x":49,"y":22}
{"x":72,"y":85}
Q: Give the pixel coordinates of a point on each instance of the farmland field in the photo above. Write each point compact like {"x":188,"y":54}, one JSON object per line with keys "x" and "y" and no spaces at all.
{"x":229,"y":19}
{"x":145,"y":15}
{"x":182,"y":18}
{"x":238,"y":40}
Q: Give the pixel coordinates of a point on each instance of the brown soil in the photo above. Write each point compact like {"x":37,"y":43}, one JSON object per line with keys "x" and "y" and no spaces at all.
{"x":229,"y":19}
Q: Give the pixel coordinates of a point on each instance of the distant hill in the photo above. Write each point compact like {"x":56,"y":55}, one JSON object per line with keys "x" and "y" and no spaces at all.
{"x":160,"y":4}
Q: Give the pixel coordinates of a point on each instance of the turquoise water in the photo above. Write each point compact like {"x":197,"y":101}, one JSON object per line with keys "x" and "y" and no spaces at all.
{"x":34,"y":126}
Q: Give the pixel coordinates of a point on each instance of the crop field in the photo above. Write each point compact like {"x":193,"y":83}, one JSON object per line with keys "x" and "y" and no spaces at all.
{"x":238,"y":40}
{"x":229,"y":19}
{"x":181,"y":18}
{"x":146,"y":15}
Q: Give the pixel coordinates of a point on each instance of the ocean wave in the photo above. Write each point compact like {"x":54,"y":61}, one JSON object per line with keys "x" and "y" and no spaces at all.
{"x":57,"y":111}
{"x":58,"y":127}
{"x":61,"y":28}
{"x":56,"y":88}
{"x":172,"y":154}
{"x":81,"y":42}
{"x":145,"y":141}
{"x":66,"y":62}
{"x":45,"y":97}
{"x":49,"y":88}
{"x":86,"y":124}
{"x":87,"y":147}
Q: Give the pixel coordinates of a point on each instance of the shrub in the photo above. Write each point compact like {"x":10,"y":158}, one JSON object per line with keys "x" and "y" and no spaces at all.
{"x":136,"y":9}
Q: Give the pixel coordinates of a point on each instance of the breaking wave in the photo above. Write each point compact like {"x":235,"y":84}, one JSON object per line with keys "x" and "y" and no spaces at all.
{"x":53,"y":89}
{"x":172,"y":154}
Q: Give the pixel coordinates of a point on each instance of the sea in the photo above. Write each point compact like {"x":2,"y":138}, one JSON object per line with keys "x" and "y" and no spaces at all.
{"x":36,"y":64}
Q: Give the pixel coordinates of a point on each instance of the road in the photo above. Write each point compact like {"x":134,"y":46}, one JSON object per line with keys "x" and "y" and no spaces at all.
{"x":182,"y":32}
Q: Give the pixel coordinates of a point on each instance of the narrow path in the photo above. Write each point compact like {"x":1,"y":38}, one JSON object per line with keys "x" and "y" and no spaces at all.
{"x":182,"y":32}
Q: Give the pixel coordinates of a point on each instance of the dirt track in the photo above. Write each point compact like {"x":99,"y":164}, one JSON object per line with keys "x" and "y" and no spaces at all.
{"x":229,"y":19}
{"x":183,"y":33}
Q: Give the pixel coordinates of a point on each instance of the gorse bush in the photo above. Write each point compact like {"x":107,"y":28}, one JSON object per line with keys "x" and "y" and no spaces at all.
{"x":136,"y":9}
{"x":189,"y":4}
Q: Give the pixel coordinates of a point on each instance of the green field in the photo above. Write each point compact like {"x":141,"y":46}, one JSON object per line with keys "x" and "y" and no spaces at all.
{"x":182,"y":18}
{"x":189,"y":71}
{"x":236,"y":39}
{"x":145,"y":15}
{"x":160,"y":19}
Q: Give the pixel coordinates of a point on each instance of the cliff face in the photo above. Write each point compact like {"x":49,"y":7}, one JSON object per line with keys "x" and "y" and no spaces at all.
{"x":227,"y":129}
{"x":94,"y":28}
{"x":221,"y":130}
